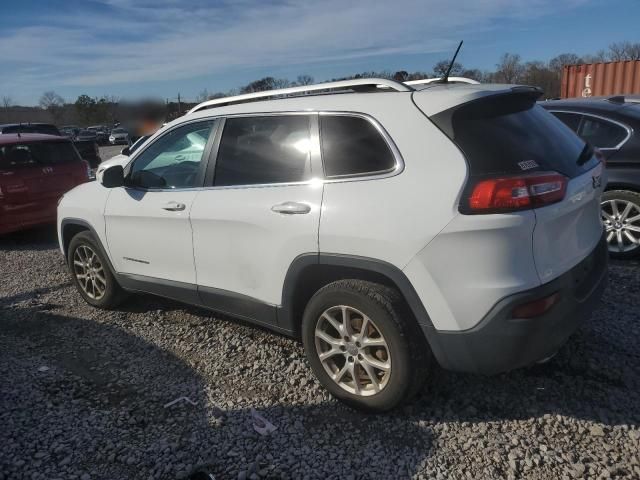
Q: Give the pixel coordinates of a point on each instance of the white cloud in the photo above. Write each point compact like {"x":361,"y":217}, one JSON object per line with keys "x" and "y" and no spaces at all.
{"x":141,"y":41}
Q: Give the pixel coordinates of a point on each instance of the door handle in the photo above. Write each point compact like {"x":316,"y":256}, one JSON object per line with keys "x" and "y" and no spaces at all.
{"x":174,"y":206}
{"x":291,"y":208}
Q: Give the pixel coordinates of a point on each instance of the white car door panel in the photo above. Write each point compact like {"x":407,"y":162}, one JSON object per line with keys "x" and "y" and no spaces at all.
{"x":149,"y":233}
{"x":147,"y":222}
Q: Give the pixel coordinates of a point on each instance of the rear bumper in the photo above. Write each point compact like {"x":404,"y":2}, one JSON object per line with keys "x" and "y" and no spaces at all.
{"x":500,"y":343}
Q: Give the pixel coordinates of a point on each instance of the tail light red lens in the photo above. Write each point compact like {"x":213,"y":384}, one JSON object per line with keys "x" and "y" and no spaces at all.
{"x":507,"y":194}
{"x":535,"y":308}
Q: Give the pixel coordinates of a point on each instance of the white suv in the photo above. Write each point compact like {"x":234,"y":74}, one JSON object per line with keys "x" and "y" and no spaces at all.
{"x":382,"y":224}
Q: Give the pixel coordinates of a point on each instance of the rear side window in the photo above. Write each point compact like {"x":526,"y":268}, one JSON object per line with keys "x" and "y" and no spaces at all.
{"x":263,"y":150}
{"x":571,"y":120}
{"x":510,"y":134}
{"x":353,"y":146}
{"x":41,"y":153}
{"x":601,"y":133}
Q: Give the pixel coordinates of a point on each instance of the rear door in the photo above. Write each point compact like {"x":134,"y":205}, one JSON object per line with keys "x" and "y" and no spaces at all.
{"x":261,"y":210}
{"x":33,"y":176}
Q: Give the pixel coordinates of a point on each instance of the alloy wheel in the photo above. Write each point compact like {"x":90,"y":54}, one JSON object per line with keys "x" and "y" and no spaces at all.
{"x":352,"y":350}
{"x":89,"y":271}
{"x":622,"y":223}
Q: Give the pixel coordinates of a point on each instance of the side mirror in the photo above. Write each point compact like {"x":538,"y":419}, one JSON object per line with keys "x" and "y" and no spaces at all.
{"x":125,"y":151}
{"x":113,"y":177}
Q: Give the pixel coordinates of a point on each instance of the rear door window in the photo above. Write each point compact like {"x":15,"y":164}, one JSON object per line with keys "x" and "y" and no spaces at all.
{"x":264,"y":150}
{"x":353,"y":146}
{"x":602,"y":133}
{"x":510,"y":134}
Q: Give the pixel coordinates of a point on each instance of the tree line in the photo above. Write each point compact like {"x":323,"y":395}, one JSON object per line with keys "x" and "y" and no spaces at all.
{"x":510,"y":68}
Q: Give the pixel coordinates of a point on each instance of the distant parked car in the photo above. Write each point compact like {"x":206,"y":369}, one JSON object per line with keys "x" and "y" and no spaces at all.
{"x":122,"y":158}
{"x":119,"y":136}
{"x":35,"y":171}
{"x":44,"y":128}
{"x":87,"y":135}
{"x":102,"y":134}
{"x":612,"y":124}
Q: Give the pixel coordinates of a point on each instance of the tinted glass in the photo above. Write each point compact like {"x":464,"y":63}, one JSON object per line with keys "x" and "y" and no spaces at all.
{"x":508,"y":134}
{"x":259,"y":150}
{"x":601,"y":133}
{"x":173,"y":160}
{"x":571,"y":120}
{"x":41,"y":153}
{"x":353,"y":146}
{"x":26,"y":128}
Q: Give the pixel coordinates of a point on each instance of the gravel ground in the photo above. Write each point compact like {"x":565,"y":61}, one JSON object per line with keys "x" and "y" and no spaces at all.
{"x":83,"y":394}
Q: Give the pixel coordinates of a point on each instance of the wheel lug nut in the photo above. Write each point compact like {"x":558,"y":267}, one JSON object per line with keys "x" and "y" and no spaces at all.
{"x":358,"y":344}
{"x":346,"y":339}
{"x":351,"y":359}
{"x":343,"y":348}
{"x":359,"y":356}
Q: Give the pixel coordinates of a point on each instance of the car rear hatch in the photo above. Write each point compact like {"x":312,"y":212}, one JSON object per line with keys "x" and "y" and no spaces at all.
{"x":33,"y":175}
{"x":520,"y":157}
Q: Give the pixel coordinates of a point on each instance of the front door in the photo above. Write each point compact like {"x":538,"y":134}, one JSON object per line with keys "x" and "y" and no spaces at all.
{"x":259,"y":212}
{"x":147,"y":221}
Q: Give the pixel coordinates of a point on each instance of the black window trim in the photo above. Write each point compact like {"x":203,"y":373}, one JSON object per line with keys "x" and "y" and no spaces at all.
{"x":204,"y":163}
{"x":583,"y":114}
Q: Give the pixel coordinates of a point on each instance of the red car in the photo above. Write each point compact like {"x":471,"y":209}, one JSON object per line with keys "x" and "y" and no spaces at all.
{"x":35,"y":171}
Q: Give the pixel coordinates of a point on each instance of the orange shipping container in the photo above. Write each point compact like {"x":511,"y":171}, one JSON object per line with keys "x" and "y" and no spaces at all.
{"x":595,"y":79}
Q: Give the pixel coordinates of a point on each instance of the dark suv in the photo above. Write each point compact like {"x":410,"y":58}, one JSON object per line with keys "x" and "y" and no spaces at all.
{"x":612,"y":125}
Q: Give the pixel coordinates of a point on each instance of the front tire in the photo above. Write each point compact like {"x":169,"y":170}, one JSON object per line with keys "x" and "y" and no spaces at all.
{"x":621,"y":217}
{"x":363,"y":346}
{"x":91,"y":273}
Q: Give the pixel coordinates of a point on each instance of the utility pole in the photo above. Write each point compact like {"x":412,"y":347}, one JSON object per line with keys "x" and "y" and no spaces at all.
{"x":179,"y":106}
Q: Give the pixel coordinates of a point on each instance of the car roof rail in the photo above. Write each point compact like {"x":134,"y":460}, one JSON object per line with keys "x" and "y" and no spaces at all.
{"x":426,"y":81}
{"x":354,"y":85}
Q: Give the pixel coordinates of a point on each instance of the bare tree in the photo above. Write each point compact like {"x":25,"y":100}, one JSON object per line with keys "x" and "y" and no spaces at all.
{"x":599,"y":57}
{"x":203,"y":96}
{"x":304,"y":79}
{"x":509,"y":69}
{"x":624,"y":51}
{"x":52,"y":103}
{"x":440,"y":68}
{"x":7,"y":101}
{"x":557,"y":63}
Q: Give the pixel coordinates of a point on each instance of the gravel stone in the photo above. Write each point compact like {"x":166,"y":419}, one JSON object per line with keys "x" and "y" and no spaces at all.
{"x":98,"y":413}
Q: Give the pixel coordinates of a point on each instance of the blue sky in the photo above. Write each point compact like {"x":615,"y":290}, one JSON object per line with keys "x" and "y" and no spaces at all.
{"x":134,"y":48}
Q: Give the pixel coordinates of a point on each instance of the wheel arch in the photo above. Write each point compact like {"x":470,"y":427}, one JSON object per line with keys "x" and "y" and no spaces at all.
{"x":310,"y":272}
{"x":70,"y":227}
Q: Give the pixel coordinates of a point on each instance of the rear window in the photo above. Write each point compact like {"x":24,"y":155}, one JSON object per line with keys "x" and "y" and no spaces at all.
{"x":44,"y":129}
{"x":510,"y":134}
{"x":41,"y":153}
{"x":353,"y":146}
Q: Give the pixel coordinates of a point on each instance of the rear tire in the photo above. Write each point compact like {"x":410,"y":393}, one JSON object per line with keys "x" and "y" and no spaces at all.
{"x":374,"y":360}
{"x":91,"y":273}
{"x":621,"y":216}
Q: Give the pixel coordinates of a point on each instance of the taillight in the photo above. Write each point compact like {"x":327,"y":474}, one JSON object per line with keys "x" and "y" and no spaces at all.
{"x":507,"y":194}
